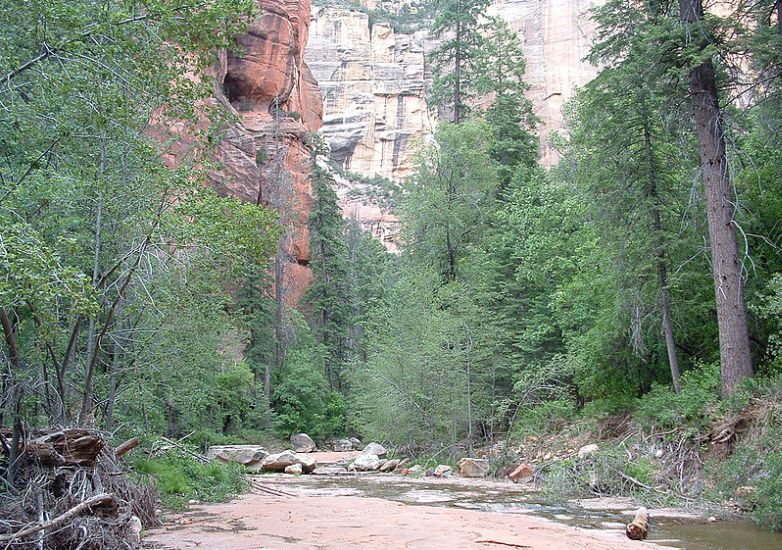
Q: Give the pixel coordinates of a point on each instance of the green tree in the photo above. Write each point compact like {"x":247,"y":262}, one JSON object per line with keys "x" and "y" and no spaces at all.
{"x":456,"y":60}
{"x":450,"y":196}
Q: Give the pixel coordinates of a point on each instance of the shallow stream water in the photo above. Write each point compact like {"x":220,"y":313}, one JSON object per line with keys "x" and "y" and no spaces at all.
{"x":688,"y":531}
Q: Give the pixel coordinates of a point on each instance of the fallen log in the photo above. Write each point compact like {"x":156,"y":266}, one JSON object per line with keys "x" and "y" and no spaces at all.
{"x":93,"y":502}
{"x":126,"y":447}
{"x":638,"y":528}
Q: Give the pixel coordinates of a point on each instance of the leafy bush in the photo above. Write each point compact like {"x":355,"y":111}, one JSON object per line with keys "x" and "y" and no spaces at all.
{"x":756,"y":461}
{"x":179,"y":478}
{"x":769,"y":493}
{"x":545,"y":416}
{"x":302,"y":399}
{"x":663,"y":408}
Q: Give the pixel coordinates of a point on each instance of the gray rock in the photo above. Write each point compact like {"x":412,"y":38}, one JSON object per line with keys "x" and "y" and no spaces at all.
{"x":587,"y":450}
{"x":279,"y":461}
{"x":389,"y":466}
{"x":365,"y":463}
{"x":473,"y":467}
{"x":375,"y":449}
{"x":402,"y":464}
{"x":415,"y":470}
{"x":307,"y":463}
{"x":247,"y":455}
{"x":302,"y":443}
{"x":294,"y":469}
{"x":342,"y":445}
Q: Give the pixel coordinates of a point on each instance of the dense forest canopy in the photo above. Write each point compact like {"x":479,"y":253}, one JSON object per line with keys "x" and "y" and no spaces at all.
{"x":642,"y":273}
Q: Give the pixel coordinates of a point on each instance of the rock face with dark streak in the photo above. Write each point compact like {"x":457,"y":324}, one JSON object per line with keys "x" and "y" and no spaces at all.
{"x":263,"y":157}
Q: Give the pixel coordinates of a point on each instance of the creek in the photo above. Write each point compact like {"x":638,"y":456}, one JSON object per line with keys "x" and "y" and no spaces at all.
{"x":672,"y":527}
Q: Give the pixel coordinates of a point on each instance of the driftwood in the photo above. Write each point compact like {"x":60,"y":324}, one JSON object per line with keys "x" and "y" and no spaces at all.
{"x":75,"y":494}
{"x":637,"y":529}
{"x":72,"y":447}
{"x":171,"y":444}
{"x":93,"y":502}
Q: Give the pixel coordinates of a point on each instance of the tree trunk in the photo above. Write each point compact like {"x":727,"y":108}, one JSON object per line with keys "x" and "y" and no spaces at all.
{"x":457,"y":72}
{"x":470,"y":452}
{"x":92,"y":348}
{"x":735,"y":357}
{"x":659,"y":249}
{"x":279,"y":310}
{"x":10,"y":339}
{"x":13,"y":357}
{"x":113,"y":373}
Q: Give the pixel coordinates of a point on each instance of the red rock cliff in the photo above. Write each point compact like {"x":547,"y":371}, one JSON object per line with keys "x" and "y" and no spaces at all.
{"x":263,"y":157}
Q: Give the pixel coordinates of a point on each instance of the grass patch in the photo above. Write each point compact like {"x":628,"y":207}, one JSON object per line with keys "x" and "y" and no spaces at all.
{"x":181,"y":478}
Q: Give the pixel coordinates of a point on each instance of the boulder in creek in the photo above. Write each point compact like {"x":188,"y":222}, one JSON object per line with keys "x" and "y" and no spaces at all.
{"x":357,"y":445}
{"x":307,"y":463}
{"x":587,"y":450}
{"x":342,"y":445}
{"x":389,"y":466}
{"x":473,"y":467}
{"x":443,"y":470}
{"x":365,"y":463}
{"x":247,"y":455}
{"x":279,"y":461}
{"x":294,"y":469}
{"x":375,"y":449}
{"x":302,"y":443}
{"x":522,"y":471}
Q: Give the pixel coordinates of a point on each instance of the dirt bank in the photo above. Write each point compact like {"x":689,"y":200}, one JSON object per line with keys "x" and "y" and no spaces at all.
{"x":260,"y":521}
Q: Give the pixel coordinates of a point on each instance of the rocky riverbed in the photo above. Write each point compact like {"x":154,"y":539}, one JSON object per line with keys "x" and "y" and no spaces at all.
{"x":336,"y":509}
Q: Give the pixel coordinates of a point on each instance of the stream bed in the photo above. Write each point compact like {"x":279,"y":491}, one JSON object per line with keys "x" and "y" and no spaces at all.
{"x":672,"y":528}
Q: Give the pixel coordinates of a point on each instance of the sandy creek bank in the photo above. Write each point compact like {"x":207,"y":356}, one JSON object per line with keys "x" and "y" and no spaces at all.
{"x":383,"y":511}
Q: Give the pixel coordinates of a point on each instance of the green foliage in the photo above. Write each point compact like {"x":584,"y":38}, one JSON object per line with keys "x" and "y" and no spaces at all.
{"x":664,"y":409}
{"x":412,"y":383}
{"x":302,"y":399}
{"x":756,"y":460}
{"x":456,"y":61}
{"x":546,"y":417}
{"x":115,"y":267}
{"x":599,"y":472}
{"x":769,"y":492}
{"x":180,"y":478}
{"x":450,"y":197}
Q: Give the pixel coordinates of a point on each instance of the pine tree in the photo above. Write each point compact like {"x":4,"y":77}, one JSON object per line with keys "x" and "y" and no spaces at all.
{"x":456,"y":61}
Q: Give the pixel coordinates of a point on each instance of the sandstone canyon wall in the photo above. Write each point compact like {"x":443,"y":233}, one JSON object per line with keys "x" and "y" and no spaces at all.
{"x":375,"y":84}
{"x":374,"y":81}
{"x":263,"y":157}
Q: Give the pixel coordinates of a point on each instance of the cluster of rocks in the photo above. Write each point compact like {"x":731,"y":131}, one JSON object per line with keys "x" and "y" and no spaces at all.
{"x":345,"y":445}
{"x":373,"y":458}
{"x":257,"y":459}
{"x":296,"y":461}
